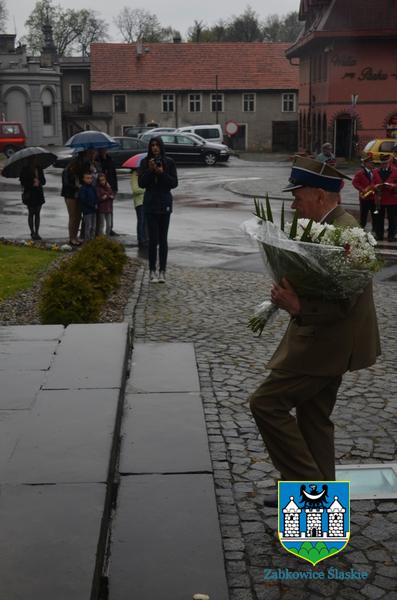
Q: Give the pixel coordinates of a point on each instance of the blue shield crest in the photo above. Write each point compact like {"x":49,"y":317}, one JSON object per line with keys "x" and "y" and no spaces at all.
{"x":314,"y":518}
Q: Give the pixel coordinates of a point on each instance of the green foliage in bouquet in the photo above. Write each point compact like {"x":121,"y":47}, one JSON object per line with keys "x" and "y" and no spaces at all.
{"x":265,"y":214}
{"x":77,"y":290}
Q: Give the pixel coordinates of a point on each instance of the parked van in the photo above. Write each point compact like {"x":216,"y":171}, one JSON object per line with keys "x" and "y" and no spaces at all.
{"x":212,"y":133}
{"x":12,"y":137}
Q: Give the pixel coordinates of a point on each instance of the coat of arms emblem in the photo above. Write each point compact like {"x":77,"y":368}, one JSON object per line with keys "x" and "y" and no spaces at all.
{"x":314,"y":518}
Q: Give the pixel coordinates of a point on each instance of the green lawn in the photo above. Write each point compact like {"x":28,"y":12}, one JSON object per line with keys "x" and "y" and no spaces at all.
{"x":19,"y":267}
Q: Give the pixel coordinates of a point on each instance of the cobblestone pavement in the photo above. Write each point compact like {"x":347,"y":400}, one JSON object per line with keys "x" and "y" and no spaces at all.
{"x":210,"y":308}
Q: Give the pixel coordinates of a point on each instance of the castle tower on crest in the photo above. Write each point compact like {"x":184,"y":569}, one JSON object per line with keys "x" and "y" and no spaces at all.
{"x":291,"y":519}
{"x":335,"y":519}
{"x":314,"y":518}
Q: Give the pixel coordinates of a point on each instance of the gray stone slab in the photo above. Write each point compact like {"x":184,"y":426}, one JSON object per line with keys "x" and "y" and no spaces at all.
{"x":48,"y":542}
{"x":166,"y":541}
{"x":89,"y":357}
{"x":164,"y":433}
{"x":12,"y":427}
{"x":19,"y":390}
{"x":27,"y":355}
{"x":163,"y":368}
{"x":67,"y":438}
{"x":30,"y":332}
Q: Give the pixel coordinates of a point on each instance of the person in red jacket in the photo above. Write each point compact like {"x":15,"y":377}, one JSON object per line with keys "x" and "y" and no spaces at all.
{"x":385,"y":185}
{"x":362,"y":181}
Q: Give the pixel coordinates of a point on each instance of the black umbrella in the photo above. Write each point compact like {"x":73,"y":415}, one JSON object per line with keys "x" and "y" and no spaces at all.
{"x":14,"y":165}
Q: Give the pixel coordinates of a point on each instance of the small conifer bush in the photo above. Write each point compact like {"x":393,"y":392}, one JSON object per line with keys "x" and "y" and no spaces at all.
{"x":77,"y":290}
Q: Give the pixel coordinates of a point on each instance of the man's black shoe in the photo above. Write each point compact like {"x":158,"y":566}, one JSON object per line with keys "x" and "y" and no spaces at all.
{"x":271,"y":501}
{"x":113,"y":233}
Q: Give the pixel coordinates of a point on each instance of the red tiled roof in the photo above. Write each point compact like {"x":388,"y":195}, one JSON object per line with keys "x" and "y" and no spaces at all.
{"x":190,"y":66}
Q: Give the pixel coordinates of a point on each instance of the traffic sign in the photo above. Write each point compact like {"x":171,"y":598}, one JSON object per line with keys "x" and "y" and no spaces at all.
{"x":231,"y":127}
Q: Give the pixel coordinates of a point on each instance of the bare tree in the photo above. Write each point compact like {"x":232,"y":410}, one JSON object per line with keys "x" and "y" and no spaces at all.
{"x":92,"y":29}
{"x":138,"y":24}
{"x":282,"y":29}
{"x":3,"y":15}
{"x":70,"y":28}
{"x":195,"y":32}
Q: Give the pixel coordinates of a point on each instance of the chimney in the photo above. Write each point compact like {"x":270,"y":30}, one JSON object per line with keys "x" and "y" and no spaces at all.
{"x":177,"y":38}
{"x":139,"y":48}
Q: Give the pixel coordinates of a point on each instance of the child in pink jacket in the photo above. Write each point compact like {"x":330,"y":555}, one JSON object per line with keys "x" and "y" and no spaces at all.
{"x":105,"y":204}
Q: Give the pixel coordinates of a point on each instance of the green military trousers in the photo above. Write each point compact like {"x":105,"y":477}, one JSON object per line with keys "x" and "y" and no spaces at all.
{"x":301,"y":448}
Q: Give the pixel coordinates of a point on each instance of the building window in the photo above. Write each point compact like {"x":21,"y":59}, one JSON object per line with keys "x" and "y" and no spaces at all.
{"x":248,"y":102}
{"x":288,"y":103}
{"x":119,"y":103}
{"x":47,"y":103}
{"x":76,"y":93}
{"x":216,"y":102}
{"x":47,"y":116}
{"x":194,"y":102}
{"x":168,"y":103}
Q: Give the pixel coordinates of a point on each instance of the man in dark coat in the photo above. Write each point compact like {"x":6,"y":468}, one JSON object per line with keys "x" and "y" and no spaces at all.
{"x":323,"y":341}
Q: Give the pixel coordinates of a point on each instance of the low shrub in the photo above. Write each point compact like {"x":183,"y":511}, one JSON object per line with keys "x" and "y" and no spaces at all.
{"x":76,"y":292}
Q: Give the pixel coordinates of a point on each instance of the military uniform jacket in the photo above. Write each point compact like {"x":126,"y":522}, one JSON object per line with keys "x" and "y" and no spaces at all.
{"x":330,"y":338}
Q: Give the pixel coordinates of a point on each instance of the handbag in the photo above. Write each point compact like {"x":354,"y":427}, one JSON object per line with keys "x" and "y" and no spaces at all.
{"x":26,"y":196}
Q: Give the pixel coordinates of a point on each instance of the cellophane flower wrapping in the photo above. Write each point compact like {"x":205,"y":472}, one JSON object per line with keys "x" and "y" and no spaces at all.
{"x":333,"y":265}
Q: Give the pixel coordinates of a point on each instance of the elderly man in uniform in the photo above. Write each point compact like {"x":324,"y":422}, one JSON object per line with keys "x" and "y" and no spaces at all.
{"x":324,"y":339}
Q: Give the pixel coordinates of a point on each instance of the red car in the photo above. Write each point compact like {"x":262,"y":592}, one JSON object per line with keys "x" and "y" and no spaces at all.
{"x":12,"y":137}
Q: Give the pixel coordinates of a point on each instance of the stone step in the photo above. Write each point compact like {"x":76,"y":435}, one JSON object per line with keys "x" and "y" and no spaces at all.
{"x":164,"y":433}
{"x":60,"y":415}
{"x":163,"y":368}
{"x":90,"y":357}
{"x":166,"y":541}
{"x":67,"y":437}
{"x":49,"y":540}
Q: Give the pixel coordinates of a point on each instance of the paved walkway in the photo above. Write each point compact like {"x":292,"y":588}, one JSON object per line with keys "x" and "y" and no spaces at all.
{"x":60,"y":407}
{"x":210,"y":308}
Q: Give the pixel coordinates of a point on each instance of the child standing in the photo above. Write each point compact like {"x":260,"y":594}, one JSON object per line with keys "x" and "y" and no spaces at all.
{"x":105,"y":196}
{"x":137,"y":196}
{"x":88,"y":202}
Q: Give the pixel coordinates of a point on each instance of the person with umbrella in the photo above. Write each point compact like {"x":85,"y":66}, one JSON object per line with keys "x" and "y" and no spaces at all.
{"x":86,"y":143}
{"x":32,"y":181}
{"x":28,"y":165}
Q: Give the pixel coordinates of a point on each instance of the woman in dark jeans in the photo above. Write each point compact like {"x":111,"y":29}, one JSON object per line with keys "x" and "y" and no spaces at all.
{"x":157,"y":176}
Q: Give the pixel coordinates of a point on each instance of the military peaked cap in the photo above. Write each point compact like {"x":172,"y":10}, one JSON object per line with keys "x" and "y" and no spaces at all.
{"x":307,"y":172}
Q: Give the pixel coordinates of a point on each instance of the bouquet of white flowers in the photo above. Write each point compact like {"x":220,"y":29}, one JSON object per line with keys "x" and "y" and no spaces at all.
{"x":319,"y":260}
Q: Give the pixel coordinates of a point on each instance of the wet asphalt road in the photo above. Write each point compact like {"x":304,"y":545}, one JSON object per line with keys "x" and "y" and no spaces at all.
{"x":205,"y":226}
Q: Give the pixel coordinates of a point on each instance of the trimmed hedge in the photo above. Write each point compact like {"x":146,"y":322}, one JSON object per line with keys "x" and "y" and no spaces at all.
{"x":77,"y":290}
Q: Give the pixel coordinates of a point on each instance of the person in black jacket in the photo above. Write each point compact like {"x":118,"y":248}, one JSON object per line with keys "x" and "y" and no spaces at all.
{"x":106,"y":166}
{"x":157,"y":176}
{"x":32,"y":180}
{"x":71,"y":182}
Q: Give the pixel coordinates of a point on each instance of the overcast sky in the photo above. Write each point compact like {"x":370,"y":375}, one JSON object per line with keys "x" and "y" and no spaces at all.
{"x":179,"y":14}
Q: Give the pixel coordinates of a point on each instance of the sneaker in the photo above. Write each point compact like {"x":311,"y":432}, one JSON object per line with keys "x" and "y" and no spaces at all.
{"x":153,"y":277}
{"x":162,"y":277}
